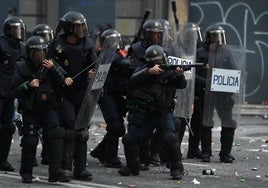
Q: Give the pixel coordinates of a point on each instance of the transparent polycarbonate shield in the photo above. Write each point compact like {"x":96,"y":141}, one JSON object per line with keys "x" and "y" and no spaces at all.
{"x":95,"y":85}
{"x":224,"y":85}
{"x":185,"y":51}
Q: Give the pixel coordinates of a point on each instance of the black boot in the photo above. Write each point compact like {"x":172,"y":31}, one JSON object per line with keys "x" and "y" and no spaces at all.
{"x":176,"y":168}
{"x":5,"y":141}
{"x":145,"y":154}
{"x":175,"y":157}
{"x":28,"y":152}
{"x":99,"y":151}
{"x":26,"y":178}
{"x":131,"y":149}
{"x":113,"y":160}
{"x":67,"y":159}
{"x":80,"y":158}
{"x":156,"y":145}
{"x":227,"y":137}
{"x":56,"y":173}
{"x":206,"y":143}
{"x":68,"y":149}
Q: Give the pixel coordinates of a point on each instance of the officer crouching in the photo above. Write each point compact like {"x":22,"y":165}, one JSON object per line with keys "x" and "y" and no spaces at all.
{"x":34,"y":85}
{"x":150,"y":107}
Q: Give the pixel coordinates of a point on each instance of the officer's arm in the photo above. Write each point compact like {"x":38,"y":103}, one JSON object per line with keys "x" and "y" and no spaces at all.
{"x":57,"y":74}
{"x":20,"y":87}
{"x":139,"y":75}
{"x":179,"y":81}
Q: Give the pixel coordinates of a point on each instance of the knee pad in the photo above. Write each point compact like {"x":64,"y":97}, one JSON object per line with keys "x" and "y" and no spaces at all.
{"x":82,"y":136}
{"x":171,"y":138}
{"x":69,"y":134}
{"x":9,"y":128}
{"x":29,"y":141}
{"x":116,"y":128}
{"x":129,"y":140}
{"x":56,"y":133}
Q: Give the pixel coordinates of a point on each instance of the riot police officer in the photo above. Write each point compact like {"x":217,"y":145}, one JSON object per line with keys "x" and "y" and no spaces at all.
{"x":151,"y":106}
{"x":113,"y":105}
{"x":35,"y":82}
{"x":152,"y":32}
{"x":45,"y":31}
{"x":11,"y":49}
{"x":214,"y":34}
{"x":75,"y":52}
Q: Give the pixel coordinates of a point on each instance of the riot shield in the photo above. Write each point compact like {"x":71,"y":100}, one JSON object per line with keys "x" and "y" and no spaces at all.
{"x":185,"y":51}
{"x":224,"y":85}
{"x":95,"y":85}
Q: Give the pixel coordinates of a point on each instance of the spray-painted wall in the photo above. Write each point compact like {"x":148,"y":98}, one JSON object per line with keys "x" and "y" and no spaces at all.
{"x":245,"y":22}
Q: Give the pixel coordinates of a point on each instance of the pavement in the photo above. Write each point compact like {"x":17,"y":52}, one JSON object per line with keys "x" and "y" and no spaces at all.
{"x":249,"y":170}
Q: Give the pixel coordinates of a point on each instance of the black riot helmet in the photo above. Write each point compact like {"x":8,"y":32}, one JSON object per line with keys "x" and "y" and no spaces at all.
{"x":196,"y":28}
{"x":14,"y":27}
{"x":155,"y":54}
{"x":73,"y":23}
{"x":152,"y":31}
{"x":44,"y":31}
{"x":36,"y":49}
{"x":113,"y":36}
{"x":215,"y":34}
{"x":168,"y":32}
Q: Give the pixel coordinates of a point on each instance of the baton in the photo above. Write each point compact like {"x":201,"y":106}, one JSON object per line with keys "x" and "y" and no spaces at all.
{"x":187,"y":124}
{"x":174,"y":9}
{"x":89,"y":66}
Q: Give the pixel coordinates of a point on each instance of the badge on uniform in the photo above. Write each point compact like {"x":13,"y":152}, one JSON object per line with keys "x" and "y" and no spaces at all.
{"x":66,"y":62}
{"x":6,"y":62}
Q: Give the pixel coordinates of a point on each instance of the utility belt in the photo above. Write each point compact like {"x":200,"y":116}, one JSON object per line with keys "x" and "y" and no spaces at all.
{"x":139,"y":104}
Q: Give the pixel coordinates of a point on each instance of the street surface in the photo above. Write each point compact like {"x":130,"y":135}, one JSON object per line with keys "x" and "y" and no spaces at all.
{"x":249,"y":170}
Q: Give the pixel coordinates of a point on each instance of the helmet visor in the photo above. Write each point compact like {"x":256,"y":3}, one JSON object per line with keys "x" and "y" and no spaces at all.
{"x":217,"y":37}
{"x":38,"y":53}
{"x":46,"y":34}
{"x":154,"y":38}
{"x":17,"y":31}
{"x":80,"y":28}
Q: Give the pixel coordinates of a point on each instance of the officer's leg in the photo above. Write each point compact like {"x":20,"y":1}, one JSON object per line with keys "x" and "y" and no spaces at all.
{"x":180,"y":127}
{"x":131,"y":149}
{"x":145,"y":153}
{"x":56,"y":136}
{"x":115,"y":129}
{"x":28,"y":143}
{"x":44,"y":152}
{"x":206,"y":136}
{"x":227,"y":137}
{"x":68,"y":148}
{"x":194,"y":137}
{"x":67,"y":120}
{"x":156,"y":145}
{"x":179,"y":130}
{"x":172,"y":143}
{"x":224,"y":110}
{"x":110,"y":107}
{"x":99,"y":151}
{"x":174,"y":151}
{"x":80,"y":156}
{"x":6,"y":132}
